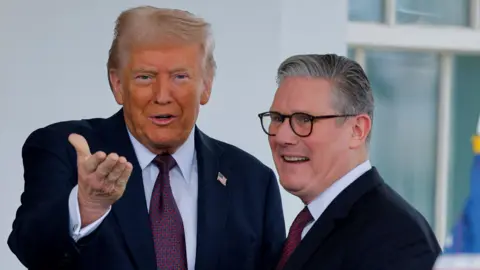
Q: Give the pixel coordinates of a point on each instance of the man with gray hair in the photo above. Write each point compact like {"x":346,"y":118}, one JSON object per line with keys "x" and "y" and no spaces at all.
{"x":318,"y":128}
{"x":191,"y":202}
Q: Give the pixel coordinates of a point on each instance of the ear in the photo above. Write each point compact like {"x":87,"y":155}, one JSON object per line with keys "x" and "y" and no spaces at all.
{"x":116,"y":85}
{"x":362,"y":125}
{"x":206,"y":91}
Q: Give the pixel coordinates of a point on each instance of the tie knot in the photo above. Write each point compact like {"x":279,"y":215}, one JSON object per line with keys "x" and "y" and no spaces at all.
{"x":303,"y":218}
{"x":165,"y":162}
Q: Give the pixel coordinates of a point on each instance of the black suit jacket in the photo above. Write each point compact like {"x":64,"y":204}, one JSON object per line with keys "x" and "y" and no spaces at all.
{"x":240,"y":225}
{"x":368,"y":226}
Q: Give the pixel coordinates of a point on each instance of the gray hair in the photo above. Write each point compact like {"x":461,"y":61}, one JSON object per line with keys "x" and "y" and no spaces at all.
{"x":352,"y":95}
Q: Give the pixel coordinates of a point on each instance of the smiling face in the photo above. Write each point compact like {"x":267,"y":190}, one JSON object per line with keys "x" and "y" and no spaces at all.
{"x":161,"y":89}
{"x":308,"y":165}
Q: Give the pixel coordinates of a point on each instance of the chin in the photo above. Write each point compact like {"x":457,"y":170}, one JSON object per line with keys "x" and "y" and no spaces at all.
{"x":290,"y":184}
{"x":164,"y":139}
{"x":167,"y":139}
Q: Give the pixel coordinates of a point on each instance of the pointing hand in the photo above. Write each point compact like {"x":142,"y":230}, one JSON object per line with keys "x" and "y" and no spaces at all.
{"x":101,"y":179}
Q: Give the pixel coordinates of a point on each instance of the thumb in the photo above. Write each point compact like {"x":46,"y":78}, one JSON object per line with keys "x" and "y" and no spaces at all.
{"x":80,"y":145}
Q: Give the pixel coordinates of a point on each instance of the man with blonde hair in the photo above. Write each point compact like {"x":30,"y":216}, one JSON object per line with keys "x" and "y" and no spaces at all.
{"x":145,"y":188}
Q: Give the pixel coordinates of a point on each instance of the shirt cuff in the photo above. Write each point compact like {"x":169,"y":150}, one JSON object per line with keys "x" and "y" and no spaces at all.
{"x":76,"y":230}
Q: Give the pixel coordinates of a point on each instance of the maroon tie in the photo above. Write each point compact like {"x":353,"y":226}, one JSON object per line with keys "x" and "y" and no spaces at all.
{"x":294,"y":236}
{"x":165,"y":220}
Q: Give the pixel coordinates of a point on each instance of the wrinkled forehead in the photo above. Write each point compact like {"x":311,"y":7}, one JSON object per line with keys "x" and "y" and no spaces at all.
{"x":180,"y":51}
{"x":303,"y":94}
{"x":166,"y":52}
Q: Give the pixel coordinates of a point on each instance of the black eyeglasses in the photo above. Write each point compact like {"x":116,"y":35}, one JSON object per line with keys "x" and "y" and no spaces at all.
{"x":301,"y":123}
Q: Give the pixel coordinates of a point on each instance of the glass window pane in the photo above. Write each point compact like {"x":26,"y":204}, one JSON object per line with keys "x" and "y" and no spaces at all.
{"x":403,"y":145}
{"x":433,"y":12}
{"x":466,"y":110}
{"x":365,"y":10}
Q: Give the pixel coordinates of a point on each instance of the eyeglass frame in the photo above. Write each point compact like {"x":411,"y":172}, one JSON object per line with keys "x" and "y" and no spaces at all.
{"x":312,"y":120}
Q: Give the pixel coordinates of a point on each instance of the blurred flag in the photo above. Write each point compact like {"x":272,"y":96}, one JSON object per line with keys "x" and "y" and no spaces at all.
{"x":465,"y":236}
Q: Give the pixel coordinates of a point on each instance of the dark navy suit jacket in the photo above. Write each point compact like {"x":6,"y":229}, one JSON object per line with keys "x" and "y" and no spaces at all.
{"x":368,"y":226}
{"x":240,"y":225}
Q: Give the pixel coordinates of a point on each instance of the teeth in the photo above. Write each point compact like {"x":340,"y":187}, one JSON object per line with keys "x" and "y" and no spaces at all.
{"x":291,"y":158}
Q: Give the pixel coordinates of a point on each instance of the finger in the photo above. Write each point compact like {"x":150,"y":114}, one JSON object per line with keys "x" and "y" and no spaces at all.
{"x":123,"y":179}
{"x":106,"y":166}
{"x":92,"y":162}
{"x":80,"y":145}
{"x":117,"y":170}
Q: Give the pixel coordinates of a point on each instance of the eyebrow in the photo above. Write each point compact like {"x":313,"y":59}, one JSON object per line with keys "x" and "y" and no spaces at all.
{"x":291,"y":111}
{"x":145,"y":70}
{"x":153,"y":71}
{"x":175,"y":70}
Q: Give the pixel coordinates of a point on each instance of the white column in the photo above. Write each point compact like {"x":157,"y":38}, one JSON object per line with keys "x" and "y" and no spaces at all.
{"x":475,"y":14}
{"x":443,"y":146}
{"x":390,"y":12}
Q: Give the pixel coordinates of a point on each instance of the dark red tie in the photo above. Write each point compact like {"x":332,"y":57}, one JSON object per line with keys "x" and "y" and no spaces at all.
{"x":165,"y":220}
{"x":294,"y":236}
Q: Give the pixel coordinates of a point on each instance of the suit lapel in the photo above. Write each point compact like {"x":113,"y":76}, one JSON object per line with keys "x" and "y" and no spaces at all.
{"x":131,"y":209}
{"x":336,"y":211}
{"x":311,"y":242}
{"x":212,"y":203}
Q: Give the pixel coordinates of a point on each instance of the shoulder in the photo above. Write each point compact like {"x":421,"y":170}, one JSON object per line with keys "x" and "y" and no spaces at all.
{"x":241,"y":157}
{"x":385,"y":226}
{"x":56,"y":134}
{"x":382,"y":212}
{"x":388,"y":206}
{"x":240,"y":160}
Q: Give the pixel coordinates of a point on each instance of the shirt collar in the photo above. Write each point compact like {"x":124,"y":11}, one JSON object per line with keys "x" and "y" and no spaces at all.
{"x":184,"y":156}
{"x":318,"y":206}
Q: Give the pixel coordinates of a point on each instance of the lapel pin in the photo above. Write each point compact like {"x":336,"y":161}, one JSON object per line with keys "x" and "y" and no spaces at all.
{"x":222,"y":179}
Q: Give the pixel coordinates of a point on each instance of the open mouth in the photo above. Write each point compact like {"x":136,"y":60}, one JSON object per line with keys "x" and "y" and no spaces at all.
{"x":295,"y":159}
{"x":163,"y":116}
{"x":162,"y":119}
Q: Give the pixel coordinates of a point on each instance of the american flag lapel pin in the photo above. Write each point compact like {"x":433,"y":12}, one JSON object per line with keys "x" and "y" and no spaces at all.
{"x":222,"y":179}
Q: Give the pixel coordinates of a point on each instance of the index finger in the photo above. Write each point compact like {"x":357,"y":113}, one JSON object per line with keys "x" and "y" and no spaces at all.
{"x":91,"y":164}
{"x":106,"y":166}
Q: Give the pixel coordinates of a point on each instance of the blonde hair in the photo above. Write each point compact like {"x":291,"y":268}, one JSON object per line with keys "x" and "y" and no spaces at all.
{"x":147,"y":25}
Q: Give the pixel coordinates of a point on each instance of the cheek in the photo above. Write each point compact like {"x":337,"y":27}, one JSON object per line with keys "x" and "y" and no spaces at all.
{"x":341,"y":139}
{"x":275,"y":154}
{"x":138,"y":97}
{"x":273,"y":149}
{"x":326,"y":151}
{"x":319,"y":151}
{"x":187,"y":98}
{"x":271,"y":143}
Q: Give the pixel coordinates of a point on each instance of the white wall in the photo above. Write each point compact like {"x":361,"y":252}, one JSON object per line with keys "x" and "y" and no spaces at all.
{"x":52,"y":68}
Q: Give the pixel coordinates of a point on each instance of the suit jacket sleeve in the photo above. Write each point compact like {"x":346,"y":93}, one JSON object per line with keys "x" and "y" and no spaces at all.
{"x":274,"y":222}
{"x":40,"y":236}
{"x":408,"y":248}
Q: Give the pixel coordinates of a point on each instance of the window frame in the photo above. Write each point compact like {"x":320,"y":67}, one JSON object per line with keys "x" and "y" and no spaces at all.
{"x":388,"y":35}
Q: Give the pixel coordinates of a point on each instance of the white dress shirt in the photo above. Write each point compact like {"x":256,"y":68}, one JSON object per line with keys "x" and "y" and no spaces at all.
{"x":184,"y":183}
{"x":319,"y":204}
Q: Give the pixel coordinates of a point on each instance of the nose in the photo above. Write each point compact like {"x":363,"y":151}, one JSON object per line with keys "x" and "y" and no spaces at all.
{"x":161,"y":92}
{"x":285,"y":135}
